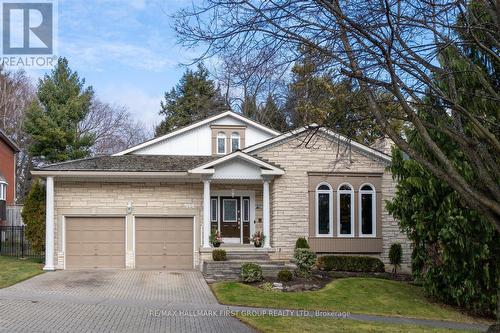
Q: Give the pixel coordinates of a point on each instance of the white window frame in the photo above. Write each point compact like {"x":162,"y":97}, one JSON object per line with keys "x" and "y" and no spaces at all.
{"x":330,"y":204}
{"x":216,"y":209}
{"x":221,"y":135}
{"x":224,"y":211}
{"x":351,"y":192}
{"x":3,"y":191}
{"x":243,"y":209}
{"x":235,"y":136}
{"x":374,"y":210}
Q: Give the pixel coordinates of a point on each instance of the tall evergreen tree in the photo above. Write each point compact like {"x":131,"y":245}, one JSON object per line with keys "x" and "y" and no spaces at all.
{"x":34,"y":216}
{"x":456,"y":251}
{"x":271,"y":115}
{"x":52,"y":121}
{"x":315,"y":97}
{"x":195,"y":97}
{"x":249,"y":107}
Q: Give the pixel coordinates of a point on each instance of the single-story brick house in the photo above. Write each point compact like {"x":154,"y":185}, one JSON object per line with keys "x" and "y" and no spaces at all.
{"x":153,"y":206}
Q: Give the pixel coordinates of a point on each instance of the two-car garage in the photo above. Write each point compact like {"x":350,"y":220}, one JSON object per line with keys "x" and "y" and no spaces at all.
{"x":101,"y":242}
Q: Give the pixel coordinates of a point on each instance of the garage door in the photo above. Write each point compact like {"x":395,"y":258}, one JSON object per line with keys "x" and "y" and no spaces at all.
{"x":95,"y":242}
{"x":163,"y":243}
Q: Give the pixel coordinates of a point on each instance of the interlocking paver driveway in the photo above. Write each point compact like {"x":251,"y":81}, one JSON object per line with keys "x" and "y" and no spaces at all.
{"x":114,"y":301}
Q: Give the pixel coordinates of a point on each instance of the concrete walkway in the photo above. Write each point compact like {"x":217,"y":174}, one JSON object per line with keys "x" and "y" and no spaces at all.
{"x":114,"y":301}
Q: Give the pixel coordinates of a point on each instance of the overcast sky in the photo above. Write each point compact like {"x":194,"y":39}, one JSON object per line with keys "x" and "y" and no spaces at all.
{"x":125,"y":49}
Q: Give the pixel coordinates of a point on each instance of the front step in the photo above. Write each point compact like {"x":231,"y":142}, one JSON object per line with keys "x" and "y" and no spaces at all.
{"x":248,"y":256}
{"x":230,"y":270}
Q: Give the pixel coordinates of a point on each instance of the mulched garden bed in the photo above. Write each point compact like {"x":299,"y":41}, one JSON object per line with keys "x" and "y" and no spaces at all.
{"x":320,"y":279}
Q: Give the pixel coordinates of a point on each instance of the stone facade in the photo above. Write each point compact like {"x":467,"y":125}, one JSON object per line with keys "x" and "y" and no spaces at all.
{"x":290,"y":202}
{"x":86,"y":198}
{"x":289,"y":197}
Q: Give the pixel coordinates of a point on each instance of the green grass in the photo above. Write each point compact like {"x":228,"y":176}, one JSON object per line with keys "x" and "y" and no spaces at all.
{"x":355,"y":295}
{"x":270,"y":324}
{"x":14,"y":270}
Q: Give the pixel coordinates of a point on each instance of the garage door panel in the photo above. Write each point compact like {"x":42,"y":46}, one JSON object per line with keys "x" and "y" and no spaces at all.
{"x":95,"y":242}
{"x":164,"y":243}
{"x":178,"y":236}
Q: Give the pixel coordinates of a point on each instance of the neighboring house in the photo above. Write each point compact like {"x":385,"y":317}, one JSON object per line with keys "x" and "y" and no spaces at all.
{"x":8,"y":151}
{"x":154,"y":205}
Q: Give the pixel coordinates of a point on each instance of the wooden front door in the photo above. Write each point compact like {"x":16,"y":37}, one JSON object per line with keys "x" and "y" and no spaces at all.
{"x":230,"y":217}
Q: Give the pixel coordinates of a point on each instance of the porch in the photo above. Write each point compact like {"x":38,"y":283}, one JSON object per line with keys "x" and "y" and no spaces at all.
{"x":236,"y":198}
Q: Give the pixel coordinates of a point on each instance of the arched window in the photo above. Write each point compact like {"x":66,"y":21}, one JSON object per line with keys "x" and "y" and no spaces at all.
{"x":367,"y":211}
{"x":324,"y":210}
{"x":221,"y":143}
{"x":345,"y":211}
{"x":235,"y":141}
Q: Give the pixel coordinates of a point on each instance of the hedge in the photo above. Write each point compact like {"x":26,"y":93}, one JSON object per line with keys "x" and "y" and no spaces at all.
{"x":350,"y":264}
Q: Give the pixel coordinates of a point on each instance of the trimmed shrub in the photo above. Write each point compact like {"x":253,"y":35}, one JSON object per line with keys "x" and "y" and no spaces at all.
{"x":350,"y":264}
{"x":301,"y":243}
{"x":219,"y":255}
{"x":251,"y":272}
{"x":285,"y":275}
{"x":305,"y":259}
{"x":395,"y":256}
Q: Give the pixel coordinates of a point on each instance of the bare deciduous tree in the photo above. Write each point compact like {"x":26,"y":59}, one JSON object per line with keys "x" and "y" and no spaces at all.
{"x":16,"y":93}
{"x":408,"y":50}
{"x":113,"y":127}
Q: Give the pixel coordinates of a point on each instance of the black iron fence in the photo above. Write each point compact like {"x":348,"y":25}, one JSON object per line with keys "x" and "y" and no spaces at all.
{"x":13,"y":243}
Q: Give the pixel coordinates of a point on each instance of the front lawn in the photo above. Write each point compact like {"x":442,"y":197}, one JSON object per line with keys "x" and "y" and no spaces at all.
{"x":355,"y":295}
{"x":14,"y":270}
{"x":270,"y":324}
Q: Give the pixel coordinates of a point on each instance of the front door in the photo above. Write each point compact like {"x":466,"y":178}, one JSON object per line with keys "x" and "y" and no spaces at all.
{"x":230,"y":217}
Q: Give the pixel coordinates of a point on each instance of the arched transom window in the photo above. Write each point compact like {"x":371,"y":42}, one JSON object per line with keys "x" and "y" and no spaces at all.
{"x":367,"y":211}
{"x":221,"y":143}
{"x":345,"y":211}
{"x":235,"y":141}
{"x":324,"y":210}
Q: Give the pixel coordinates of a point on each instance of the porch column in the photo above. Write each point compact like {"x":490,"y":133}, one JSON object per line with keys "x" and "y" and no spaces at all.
{"x":206,"y":213}
{"x":266,"y":214}
{"x":49,"y":225}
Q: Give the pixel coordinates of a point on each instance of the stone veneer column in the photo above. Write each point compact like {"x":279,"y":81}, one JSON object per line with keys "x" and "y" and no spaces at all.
{"x":49,"y":225}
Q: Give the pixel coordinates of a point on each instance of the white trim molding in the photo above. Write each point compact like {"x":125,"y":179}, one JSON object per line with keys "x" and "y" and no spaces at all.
{"x":268,"y":169}
{"x":49,"y":225}
{"x":266,"y":216}
{"x":374,"y":210}
{"x":206,"y":213}
{"x":330,"y":209}
{"x":198,"y":124}
{"x":351,"y":193}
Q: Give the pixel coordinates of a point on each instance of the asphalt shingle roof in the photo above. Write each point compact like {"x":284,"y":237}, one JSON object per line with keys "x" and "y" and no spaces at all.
{"x":139,"y":163}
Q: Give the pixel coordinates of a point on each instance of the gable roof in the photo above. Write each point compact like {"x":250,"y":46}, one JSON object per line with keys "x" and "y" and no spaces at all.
{"x":198,"y":124}
{"x":135,"y":163}
{"x":8,"y":141}
{"x":268,"y":168}
{"x":331,"y":134}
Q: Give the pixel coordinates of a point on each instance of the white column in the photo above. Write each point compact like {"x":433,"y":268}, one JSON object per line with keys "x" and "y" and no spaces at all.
{"x":49,"y":225}
{"x":206,"y":213}
{"x":266,"y":214}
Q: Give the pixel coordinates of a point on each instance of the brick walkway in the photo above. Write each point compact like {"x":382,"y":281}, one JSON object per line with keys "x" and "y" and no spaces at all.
{"x":114,"y":301}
